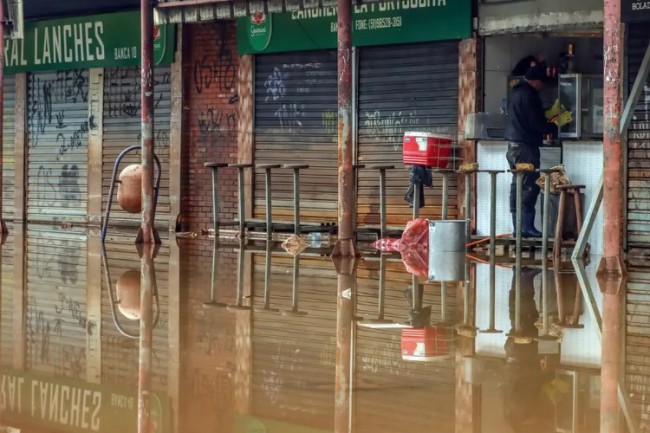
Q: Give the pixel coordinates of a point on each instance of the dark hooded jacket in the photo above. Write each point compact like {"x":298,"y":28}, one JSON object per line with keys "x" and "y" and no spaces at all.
{"x":526,"y":118}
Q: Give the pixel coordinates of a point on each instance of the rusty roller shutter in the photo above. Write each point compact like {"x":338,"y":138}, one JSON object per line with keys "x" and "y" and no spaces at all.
{"x":293,"y":356}
{"x":8,"y":147}
{"x":122,"y":128}
{"x":403,"y":88}
{"x":296,"y":122}
{"x":638,"y":232}
{"x":56,"y":301}
{"x":57,"y":134}
{"x":120,"y":354}
{"x":421,"y":396}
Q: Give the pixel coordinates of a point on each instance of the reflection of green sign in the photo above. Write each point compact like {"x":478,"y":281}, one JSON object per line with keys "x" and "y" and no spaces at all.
{"x":85,"y":42}
{"x":259,"y":30}
{"x":392,"y":22}
{"x":73,"y":406}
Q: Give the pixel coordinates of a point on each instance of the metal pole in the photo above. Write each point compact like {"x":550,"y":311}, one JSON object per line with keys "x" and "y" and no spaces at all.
{"x":382,"y":286}
{"x":443,"y":301}
{"x":547,"y":202}
{"x":215,"y":202}
{"x":344,"y":341}
{"x":242,"y":202}
{"x":493,"y":247}
{"x":612,"y":268}
{"x":296,"y":201}
{"x":468,"y":205}
{"x":613,"y":153}
{"x":269,"y":210}
{"x":445,"y":195}
{"x":382,"y":202}
{"x":148,"y":277}
{"x":146,"y":78}
{"x":520,"y":179}
{"x":346,"y":202}
{"x":416,"y":199}
{"x":3,"y":225}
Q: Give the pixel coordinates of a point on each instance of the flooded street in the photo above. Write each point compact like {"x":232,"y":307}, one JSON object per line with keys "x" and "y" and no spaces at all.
{"x":254,"y":339}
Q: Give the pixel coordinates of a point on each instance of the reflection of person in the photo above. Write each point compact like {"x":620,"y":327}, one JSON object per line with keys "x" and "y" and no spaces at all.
{"x":525,"y":130}
{"x":528,"y":377}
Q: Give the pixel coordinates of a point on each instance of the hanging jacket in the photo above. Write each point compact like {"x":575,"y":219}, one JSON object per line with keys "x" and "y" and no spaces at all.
{"x":420,"y":175}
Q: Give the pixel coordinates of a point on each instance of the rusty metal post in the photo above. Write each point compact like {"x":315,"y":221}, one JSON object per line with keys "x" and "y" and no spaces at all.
{"x":147,"y":234}
{"x":3,"y":225}
{"x":345,"y":245}
{"x":148,"y":281}
{"x":344,"y":359}
{"x":611,"y":270}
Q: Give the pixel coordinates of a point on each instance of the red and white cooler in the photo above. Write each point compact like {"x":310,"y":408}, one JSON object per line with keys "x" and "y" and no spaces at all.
{"x":427,"y":149}
{"x":425,"y":344}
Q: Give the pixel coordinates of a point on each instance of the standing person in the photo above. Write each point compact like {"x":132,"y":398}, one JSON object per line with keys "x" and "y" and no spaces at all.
{"x":526,"y":128}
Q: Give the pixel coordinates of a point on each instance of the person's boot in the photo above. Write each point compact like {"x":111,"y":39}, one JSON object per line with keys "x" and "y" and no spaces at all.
{"x":528,"y":229}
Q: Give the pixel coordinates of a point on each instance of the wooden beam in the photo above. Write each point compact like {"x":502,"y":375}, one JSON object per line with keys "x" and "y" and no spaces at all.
{"x":174,"y":331}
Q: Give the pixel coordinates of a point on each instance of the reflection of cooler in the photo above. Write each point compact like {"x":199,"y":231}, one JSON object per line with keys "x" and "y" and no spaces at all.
{"x":425,"y":344}
{"x":423,"y":148}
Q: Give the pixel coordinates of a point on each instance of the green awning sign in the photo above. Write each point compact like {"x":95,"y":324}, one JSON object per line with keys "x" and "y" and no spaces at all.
{"x":74,"y":406}
{"x":384,"y":23}
{"x":96,"y":41}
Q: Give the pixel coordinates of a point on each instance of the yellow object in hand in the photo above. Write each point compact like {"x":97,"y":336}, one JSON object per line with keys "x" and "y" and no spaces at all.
{"x":554,"y":110}
{"x":564,"y":118}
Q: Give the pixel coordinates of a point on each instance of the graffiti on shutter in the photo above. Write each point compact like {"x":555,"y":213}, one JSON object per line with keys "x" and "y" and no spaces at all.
{"x":122,"y":128}
{"x":57,"y":140}
{"x":296,"y":122}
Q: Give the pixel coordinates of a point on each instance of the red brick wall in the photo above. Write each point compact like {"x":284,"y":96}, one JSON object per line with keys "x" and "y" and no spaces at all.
{"x":210,"y":124}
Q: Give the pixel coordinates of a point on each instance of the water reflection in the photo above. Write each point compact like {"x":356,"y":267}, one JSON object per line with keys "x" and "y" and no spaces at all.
{"x":238,"y":337}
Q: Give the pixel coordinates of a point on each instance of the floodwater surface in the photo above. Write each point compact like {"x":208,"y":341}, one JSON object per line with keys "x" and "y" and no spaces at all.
{"x":250,"y":338}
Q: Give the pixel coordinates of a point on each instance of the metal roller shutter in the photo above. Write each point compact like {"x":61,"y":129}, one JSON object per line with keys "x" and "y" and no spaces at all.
{"x":122,"y":128}
{"x":7,"y":282}
{"x":56,"y":301}
{"x":638,"y":182}
{"x":403,"y":88}
{"x":294,"y":356}
{"x":120,"y":354}
{"x":296,"y":122}
{"x":638,"y":233}
{"x":57,"y":134}
{"x":8,"y":147}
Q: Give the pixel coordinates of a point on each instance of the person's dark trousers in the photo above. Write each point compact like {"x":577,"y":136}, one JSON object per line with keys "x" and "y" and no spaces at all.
{"x":522,"y":153}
